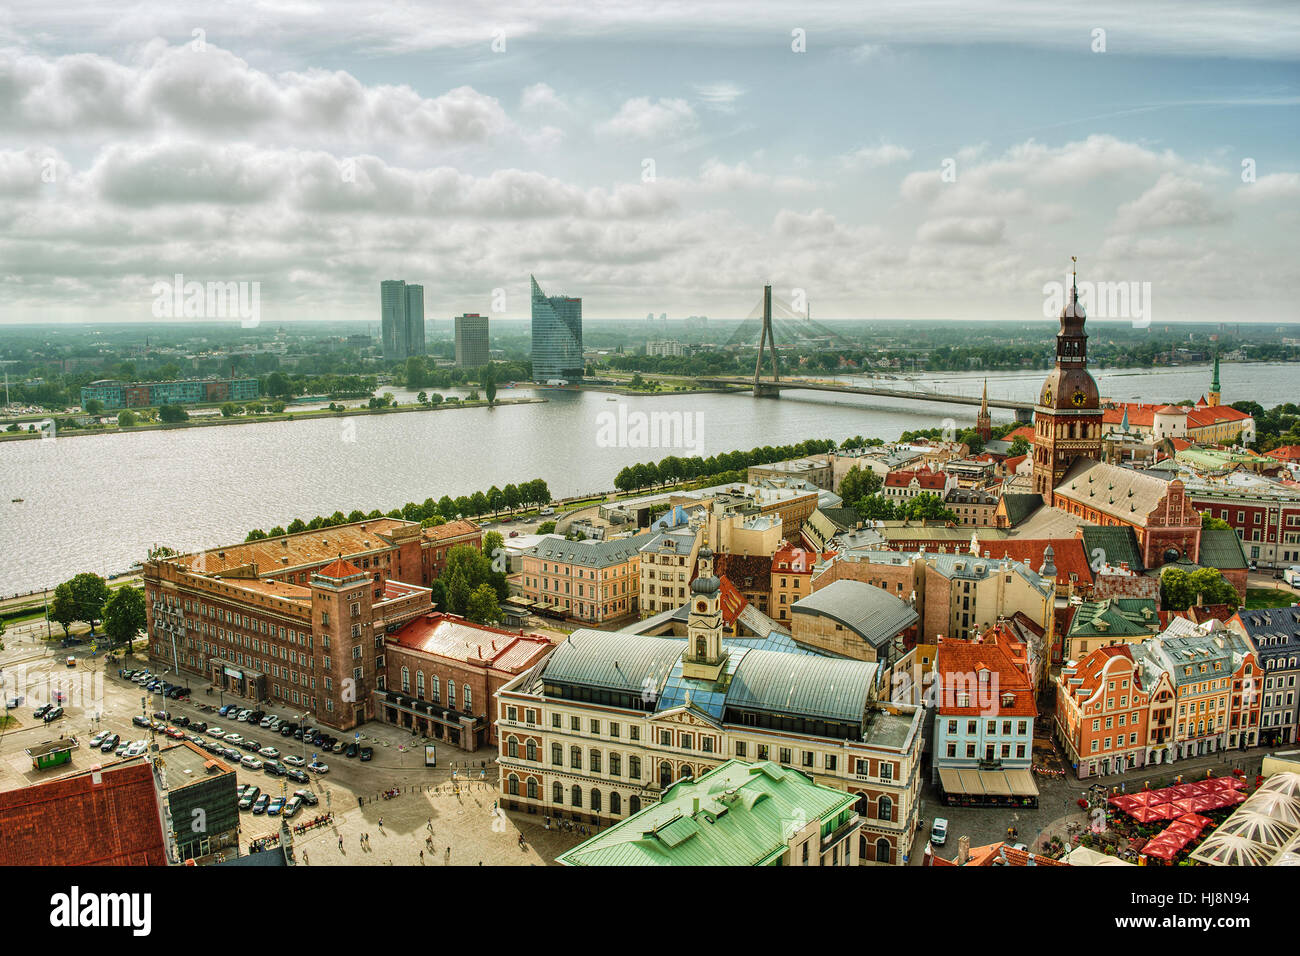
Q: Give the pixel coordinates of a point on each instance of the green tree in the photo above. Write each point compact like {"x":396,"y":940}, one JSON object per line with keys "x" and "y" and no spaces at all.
{"x":256,"y":534}
{"x":493,"y":542}
{"x":124,"y":615}
{"x":458,"y":592}
{"x":510,"y":495}
{"x":1019,"y":447}
{"x":927,"y":507}
{"x":89,"y":594}
{"x":1209,"y":522}
{"x":297,"y":525}
{"x":859,"y":484}
{"x":438,"y":594}
{"x":126,"y":418}
{"x":63,"y":609}
{"x":482,"y":606}
{"x":94,"y":407}
{"x":876,"y":508}
{"x":546,"y":527}
{"x":489,"y":382}
{"x":422,"y":398}
{"x":172,"y":414}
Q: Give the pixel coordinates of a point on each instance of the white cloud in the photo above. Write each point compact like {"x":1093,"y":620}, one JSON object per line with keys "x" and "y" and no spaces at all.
{"x":719,"y":96}
{"x":1173,"y":201}
{"x":1275,"y":187}
{"x":978,"y":231}
{"x":541,"y":97}
{"x":642,"y":119}
{"x":872,"y":157}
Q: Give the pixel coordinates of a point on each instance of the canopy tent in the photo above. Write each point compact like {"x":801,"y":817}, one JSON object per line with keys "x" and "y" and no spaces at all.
{"x":1195,"y":820}
{"x":1161,"y":849}
{"x":1231,"y":849}
{"x":1259,"y":828}
{"x":1184,"y":830}
{"x":1287,"y":783}
{"x":1275,"y":804}
{"x":1145,"y":798}
{"x":1185,"y":805}
{"x":1123,"y":801}
{"x":1185,"y":790}
{"x":1147,"y":814}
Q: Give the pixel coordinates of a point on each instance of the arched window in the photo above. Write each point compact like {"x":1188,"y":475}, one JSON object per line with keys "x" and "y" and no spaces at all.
{"x":557,"y":794}
{"x":451,"y":692}
{"x":575,"y":758}
{"x":595,"y":760}
{"x":469,"y":698}
{"x":577,"y":795}
{"x":633,"y":804}
{"x":406,"y":680}
{"x":419,"y":684}
{"x":615,"y":803}
{"x":665,"y":773}
{"x":700,"y":650}
{"x":686,"y":771}
{"x":883,"y":851}
{"x":435,"y":688}
{"x":512,"y":747}
{"x":886,"y":808}
{"x":595,"y":800}
{"x":532,"y":788}
{"x":512,"y":785}
{"x":532,"y":749}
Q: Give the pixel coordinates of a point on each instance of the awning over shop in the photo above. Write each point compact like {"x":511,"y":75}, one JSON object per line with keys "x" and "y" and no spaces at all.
{"x":993,"y":783}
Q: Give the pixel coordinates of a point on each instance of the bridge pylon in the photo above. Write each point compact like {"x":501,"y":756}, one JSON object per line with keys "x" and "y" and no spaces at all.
{"x":768,"y":338}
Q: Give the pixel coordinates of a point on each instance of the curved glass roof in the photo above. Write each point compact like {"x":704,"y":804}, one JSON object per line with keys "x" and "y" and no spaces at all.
{"x":803,"y":685}
{"x":614,"y":661}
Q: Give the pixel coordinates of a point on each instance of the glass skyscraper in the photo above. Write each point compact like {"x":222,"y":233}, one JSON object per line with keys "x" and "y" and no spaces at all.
{"x":557,"y":336}
{"x":401,"y":319}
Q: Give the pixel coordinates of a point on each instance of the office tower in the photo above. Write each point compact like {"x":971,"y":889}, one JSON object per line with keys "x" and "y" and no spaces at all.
{"x":471,"y":340}
{"x":557,"y":337}
{"x":392,"y":297}
{"x":415,"y":320}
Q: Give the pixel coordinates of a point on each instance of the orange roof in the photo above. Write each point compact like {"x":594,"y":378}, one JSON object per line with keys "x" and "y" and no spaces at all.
{"x":1139,"y":415}
{"x":452,"y":529}
{"x":1011,"y":464}
{"x":1067,"y":554}
{"x":924,"y":478}
{"x":1000,"y":854}
{"x":1285,"y":453}
{"x":1213,"y":415}
{"x":303,"y":548}
{"x":448,"y":635}
{"x":732,"y":602}
{"x":797,"y":560}
{"x":1091,"y":670}
{"x":340,"y":569}
{"x":961,"y":666}
{"x":114,"y":821}
{"x":1024,"y":431}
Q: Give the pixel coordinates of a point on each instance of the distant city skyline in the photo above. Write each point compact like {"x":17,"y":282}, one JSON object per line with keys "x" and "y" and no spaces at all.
{"x":891,"y":162}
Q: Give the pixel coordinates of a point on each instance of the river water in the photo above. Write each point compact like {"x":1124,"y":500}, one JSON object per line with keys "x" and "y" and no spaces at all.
{"x":97,"y":503}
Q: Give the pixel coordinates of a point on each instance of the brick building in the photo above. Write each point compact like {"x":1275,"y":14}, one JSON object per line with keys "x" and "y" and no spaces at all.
{"x":791,"y":578}
{"x":1102,"y":712}
{"x":297,"y":620}
{"x":442,"y":672}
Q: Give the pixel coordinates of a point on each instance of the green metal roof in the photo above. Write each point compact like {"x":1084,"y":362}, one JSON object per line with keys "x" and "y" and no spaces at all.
{"x":738,"y":814}
{"x":1116,"y":543}
{"x":1115,"y":617}
{"x":802,"y":685}
{"x":1020,"y":506}
{"x":1221,"y":548}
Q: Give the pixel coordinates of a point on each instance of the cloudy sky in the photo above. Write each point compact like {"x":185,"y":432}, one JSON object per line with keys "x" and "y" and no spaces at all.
{"x":923,"y":160}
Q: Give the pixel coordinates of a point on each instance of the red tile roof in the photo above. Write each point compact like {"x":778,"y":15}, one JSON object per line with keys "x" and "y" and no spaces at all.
{"x":796,"y":560}
{"x":76,"y":821}
{"x":1091,"y":670}
{"x":731,"y":601}
{"x":452,"y":529}
{"x":1011,"y":464}
{"x":960,"y":666}
{"x":1000,"y":854}
{"x":1285,"y":453}
{"x":1213,"y":415}
{"x":1024,"y":431}
{"x":340,"y":569}
{"x":757,"y":568}
{"x":1068,"y":555}
{"x":1139,"y":415}
{"x":929,"y":480}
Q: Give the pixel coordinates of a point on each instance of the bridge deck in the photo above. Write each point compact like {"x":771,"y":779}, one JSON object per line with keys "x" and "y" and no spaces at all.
{"x":911,"y":394}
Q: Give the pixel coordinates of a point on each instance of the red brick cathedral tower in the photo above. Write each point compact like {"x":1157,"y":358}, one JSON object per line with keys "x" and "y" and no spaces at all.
{"x":1067,"y":419}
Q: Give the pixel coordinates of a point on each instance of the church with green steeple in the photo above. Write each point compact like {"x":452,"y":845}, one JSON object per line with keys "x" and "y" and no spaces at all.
{"x":1213,"y":397}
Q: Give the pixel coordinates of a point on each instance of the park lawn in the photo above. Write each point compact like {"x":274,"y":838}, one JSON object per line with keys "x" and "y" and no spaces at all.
{"x":1269,"y":597}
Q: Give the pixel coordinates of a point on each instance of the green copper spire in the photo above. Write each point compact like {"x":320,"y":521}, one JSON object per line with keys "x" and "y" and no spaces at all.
{"x":1214,"y":385}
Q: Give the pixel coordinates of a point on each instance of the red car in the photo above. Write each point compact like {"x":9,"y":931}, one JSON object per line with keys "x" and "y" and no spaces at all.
{"x":175,"y":733}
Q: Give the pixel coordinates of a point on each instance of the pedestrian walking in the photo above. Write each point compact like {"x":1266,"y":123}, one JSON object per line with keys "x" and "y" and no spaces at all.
{"x":421,"y":856}
{"x":340,"y":844}
{"x":381,"y":823}
{"x":304,"y":858}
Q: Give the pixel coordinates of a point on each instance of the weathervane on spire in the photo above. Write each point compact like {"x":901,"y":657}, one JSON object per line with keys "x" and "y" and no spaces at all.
{"x":1075,"y":271}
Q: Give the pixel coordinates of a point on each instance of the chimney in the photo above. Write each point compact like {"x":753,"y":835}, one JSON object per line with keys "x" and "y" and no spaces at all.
{"x":963,"y":851}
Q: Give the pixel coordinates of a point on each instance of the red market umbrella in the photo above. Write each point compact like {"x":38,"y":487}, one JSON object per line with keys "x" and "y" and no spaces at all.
{"x":1184,"y":830}
{"x":1124,"y":802}
{"x":1161,"y":849}
{"x":1210,"y":801}
{"x":1166,"y":811}
{"x":1145,"y":814}
{"x":1196,"y":820}
{"x":1185,"y":790}
{"x":1185,"y":806}
{"x":1145,"y":798}
{"x":1228,"y":783}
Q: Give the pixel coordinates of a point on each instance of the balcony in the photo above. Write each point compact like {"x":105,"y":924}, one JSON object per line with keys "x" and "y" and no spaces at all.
{"x":840,"y":832}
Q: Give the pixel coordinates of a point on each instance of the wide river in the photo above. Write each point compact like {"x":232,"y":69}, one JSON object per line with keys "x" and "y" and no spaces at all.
{"x":97,"y":503}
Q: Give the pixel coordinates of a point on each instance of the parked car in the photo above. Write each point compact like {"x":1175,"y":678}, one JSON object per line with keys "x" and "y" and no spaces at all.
{"x":939,"y":831}
{"x":260,"y":804}
{"x":268,"y":752}
{"x":224,"y":709}
{"x":70,"y":661}
{"x":367,"y":753}
{"x":195,"y":739}
{"x":293,"y":760}
{"x":292,"y":806}
{"x":265,"y":723}
{"x":351,"y":750}
{"x":275,"y":806}
{"x":232,"y":738}
{"x":175,"y":733}
{"x":182,"y":721}
{"x":251,"y":762}
{"x":136,"y":748}
{"x":230,"y":753}
{"x":317,"y":767}
{"x":251,"y":794}
{"x":54,"y":714}
{"x":337,"y":747}
{"x":239,"y":790}
{"x":307,"y":797}
{"x":274,"y":768}
{"x":243,"y":714}
{"x":110,"y":744}
{"x":199,"y":727}
{"x":99,"y":738}
{"x":296,"y":775}
{"x":140,"y":721}
{"x":212,"y":747}
{"x":216,"y":732}
{"x":161,"y":715}
{"x":124,"y":748}
{"x":42,"y":710}
{"x":286,"y":730}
